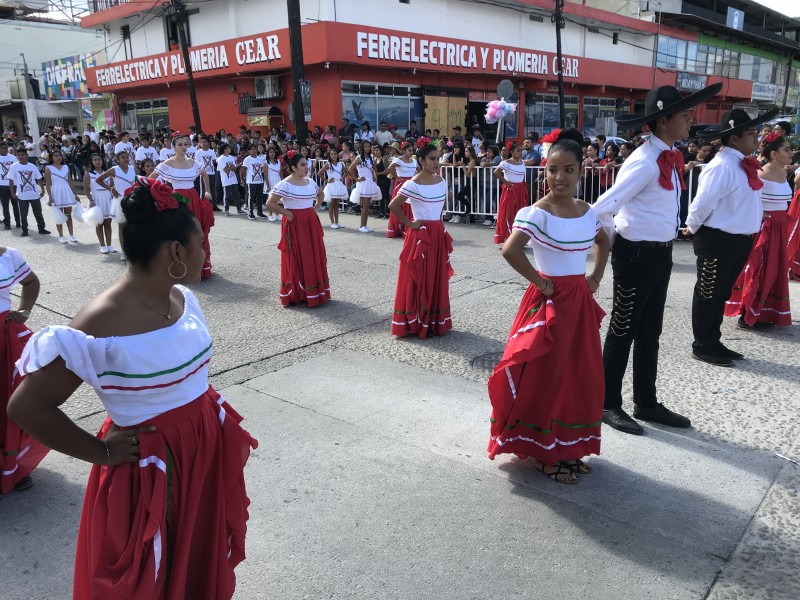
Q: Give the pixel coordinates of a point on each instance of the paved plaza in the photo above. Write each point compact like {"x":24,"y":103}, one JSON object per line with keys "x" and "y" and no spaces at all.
{"x":372,"y":481}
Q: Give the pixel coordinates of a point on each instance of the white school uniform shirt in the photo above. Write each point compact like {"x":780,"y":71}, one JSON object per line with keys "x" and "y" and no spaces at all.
{"x":166,"y":153}
{"x":724,"y":199}
{"x":207,"y":158}
{"x":143,"y":153}
{"x":255,"y":169}
{"x":226,"y":178}
{"x":124,"y":147}
{"x":636,"y":205}
{"x":191,"y":151}
{"x":364,"y":136}
{"x":25,"y":178}
{"x":5,"y":165}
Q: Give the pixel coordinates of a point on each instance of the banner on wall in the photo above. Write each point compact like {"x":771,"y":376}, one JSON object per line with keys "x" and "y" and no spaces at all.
{"x":86,"y":110}
{"x":65,"y":78}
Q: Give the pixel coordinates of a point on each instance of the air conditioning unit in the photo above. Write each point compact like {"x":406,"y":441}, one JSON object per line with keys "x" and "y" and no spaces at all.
{"x":268,"y":88}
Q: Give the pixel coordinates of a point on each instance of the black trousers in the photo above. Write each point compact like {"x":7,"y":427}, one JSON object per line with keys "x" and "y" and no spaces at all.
{"x":720,"y":258}
{"x":464,"y":197}
{"x":641,"y":279}
{"x":36,"y":207}
{"x":255,"y":198}
{"x":5,"y":200}
{"x":230,"y":195}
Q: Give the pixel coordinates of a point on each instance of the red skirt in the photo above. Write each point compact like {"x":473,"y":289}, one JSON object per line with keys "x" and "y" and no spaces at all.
{"x":547,"y":391}
{"x":21,"y":454}
{"x":395,"y":228}
{"x":512,"y":200}
{"x":793,"y":226}
{"x":422,"y":298}
{"x":171,"y":526}
{"x":761,"y":292}
{"x":304,"y":263}
{"x":205,"y":215}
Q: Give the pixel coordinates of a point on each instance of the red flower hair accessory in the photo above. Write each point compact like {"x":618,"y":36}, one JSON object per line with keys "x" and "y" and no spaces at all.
{"x":164,"y":197}
{"x":423,"y":141}
{"x":772,"y":136}
{"x":508,"y":146}
{"x":290,"y":154}
{"x":550,"y":138}
{"x":404,"y":145}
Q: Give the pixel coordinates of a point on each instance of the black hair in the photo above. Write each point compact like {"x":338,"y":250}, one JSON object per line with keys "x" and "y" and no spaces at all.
{"x":773,"y":147}
{"x":627,"y":145}
{"x":495,"y":150}
{"x":293,"y":160}
{"x":223,"y":147}
{"x":423,"y":153}
{"x":569,"y":140}
{"x":366,"y":159}
{"x":612,"y":146}
{"x":102,"y":161}
{"x":145,"y":229}
{"x":141,"y":166}
{"x":785,"y":127}
{"x":595,"y":146}
{"x":512,"y":146}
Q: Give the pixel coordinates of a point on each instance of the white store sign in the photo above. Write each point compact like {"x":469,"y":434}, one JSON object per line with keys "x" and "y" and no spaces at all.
{"x":764,"y":92}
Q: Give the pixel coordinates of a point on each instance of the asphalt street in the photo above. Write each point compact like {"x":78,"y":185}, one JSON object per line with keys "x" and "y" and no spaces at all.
{"x":371,"y":480}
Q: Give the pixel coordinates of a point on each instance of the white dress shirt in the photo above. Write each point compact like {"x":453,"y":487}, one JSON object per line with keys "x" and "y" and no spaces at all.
{"x":636,"y":205}
{"x":724,"y":199}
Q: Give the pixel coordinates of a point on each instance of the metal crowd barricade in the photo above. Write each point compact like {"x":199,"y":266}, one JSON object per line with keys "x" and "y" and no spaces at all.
{"x":483,"y":188}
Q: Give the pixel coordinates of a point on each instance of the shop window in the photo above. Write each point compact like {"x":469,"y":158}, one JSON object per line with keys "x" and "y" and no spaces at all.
{"x":397,"y":105}
{"x":541,"y":114}
{"x":144,"y":115}
{"x":171,"y":31}
{"x":598,"y":114}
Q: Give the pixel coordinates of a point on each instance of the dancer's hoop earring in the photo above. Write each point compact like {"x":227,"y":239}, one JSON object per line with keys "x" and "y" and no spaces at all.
{"x":182,"y":275}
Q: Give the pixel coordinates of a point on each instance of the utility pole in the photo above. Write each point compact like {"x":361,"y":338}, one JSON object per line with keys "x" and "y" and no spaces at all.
{"x":183,"y":20}
{"x":298,"y":74}
{"x":558,"y":19}
{"x":786,"y":87}
{"x":27,"y":76}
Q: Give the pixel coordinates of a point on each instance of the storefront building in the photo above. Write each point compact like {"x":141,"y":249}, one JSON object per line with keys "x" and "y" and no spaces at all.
{"x":439,"y":68}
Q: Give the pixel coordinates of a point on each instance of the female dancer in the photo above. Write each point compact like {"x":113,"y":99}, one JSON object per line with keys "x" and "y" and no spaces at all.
{"x":382,"y":172}
{"x":60,"y":192}
{"x":362,"y":170}
{"x":100,"y":196}
{"x":544,"y":405}
{"x":273,"y":169}
{"x":402,"y":169}
{"x":335,"y":191}
{"x":180,"y":172}
{"x":794,"y":232}
{"x":465,"y":193}
{"x":117,"y":180}
{"x":19,"y":453}
{"x":304,"y":263}
{"x":760,"y":296}
{"x":422,"y":298}
{"x":514,"y":196}
{"x":165,"y":510}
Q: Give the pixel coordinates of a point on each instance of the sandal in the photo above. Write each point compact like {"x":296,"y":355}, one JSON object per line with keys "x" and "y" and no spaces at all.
{"x":576,"y":466}
{"x":559,"y":475}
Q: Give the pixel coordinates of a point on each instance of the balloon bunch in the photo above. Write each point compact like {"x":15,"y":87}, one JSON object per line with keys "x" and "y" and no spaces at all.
{"x":499,"y":109}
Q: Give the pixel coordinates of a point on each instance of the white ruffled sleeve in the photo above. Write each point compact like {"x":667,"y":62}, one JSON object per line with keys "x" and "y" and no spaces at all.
{"x":83,"y":354}
{"x":21,"y":267}
{"x":527,"y":221}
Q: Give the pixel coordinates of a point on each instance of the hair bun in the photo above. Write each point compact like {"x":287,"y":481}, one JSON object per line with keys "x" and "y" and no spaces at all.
{"x":138,"y":206}
{"x":571,"y":134}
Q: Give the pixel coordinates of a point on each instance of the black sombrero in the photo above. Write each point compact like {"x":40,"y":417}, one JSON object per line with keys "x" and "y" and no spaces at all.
{"x":735,"y":121}
{"x":666,"y":100}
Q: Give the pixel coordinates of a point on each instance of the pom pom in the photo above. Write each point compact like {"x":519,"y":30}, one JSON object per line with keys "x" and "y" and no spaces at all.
{"x":93,"y":216}
{"x":355,"y":195}
{"x":58,"y":216}
{"x":326,"y":193}
{"x":78,"y":211}
{"x":119,"y":216}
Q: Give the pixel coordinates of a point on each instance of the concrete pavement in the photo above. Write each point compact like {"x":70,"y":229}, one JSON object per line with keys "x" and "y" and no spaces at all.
{"x":371,"y":480}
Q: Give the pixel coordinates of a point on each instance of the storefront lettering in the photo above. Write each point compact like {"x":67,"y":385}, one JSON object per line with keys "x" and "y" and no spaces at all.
{"x":207,"y":58}
{"x":380,"y":46}
{"x":252,"y":51}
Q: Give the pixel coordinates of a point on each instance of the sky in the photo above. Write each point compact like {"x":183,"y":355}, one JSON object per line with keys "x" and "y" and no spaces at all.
{"x":787,"y":7}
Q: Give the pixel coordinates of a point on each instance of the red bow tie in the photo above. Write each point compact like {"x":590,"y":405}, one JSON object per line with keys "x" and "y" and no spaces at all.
{"x":667,"y":163}
{"x":751,"y":167}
